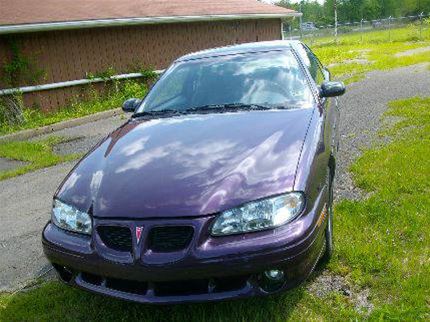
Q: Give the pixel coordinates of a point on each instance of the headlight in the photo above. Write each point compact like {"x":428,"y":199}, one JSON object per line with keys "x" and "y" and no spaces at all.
{"x":70,"y":218}
{"x":259,"y":215}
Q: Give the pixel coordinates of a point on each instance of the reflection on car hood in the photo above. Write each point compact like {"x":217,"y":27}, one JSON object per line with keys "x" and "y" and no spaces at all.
{"x":188,"y":165}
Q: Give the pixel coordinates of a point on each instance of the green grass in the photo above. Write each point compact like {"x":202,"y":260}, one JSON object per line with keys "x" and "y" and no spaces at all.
{"x":95,"y":102}
{"x":55,"y":302}
{"x":36,"y":154}
{"x":387,"y":248}
{"x":382,"y":245}
{"x":376,"y":47}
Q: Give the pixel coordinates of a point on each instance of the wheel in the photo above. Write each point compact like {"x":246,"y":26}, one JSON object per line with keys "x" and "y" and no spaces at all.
{"x":329,"y":229}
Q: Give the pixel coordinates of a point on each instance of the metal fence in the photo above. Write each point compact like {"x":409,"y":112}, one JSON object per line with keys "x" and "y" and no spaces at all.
{"x":308,"y":31}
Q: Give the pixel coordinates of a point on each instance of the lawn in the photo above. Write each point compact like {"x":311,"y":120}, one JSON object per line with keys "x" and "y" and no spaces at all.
{"x":389,"y":249}
{"x":382,"y":250}
{"x":353,"y":56}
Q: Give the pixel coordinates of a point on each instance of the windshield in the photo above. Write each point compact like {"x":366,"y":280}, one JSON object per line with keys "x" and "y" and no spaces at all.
{"x":268,"y":79}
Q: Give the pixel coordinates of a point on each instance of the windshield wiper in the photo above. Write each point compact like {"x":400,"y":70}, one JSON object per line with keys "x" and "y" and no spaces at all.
{"x":226,"y":107}
{"x":168,"y":112}
{"x":218,"y":108}
{"x":248,"y":106}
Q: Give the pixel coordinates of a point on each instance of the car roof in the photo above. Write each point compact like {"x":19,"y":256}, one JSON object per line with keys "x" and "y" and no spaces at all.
{"x":241,"y":49}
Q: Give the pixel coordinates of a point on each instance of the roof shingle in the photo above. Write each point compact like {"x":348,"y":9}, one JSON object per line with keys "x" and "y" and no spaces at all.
{"x":18,"y":12}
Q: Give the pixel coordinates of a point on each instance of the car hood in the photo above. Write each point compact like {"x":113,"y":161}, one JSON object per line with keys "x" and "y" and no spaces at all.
{"x":188,"y":165}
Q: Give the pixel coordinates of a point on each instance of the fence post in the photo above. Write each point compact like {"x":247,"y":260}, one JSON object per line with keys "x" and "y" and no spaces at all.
{"x":335,"y":20}
{"x":361,"y":29}
{"x":421,"y":25}
{"x":389,"y":28}
{"x":301,"y":21}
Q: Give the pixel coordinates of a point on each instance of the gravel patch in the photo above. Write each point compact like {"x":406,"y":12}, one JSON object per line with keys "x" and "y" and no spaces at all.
{"x":8,"y":164}
{"x":361,"y":110}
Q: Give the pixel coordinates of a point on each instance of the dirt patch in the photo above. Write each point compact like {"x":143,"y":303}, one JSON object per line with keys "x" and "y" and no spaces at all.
{"x":8,"y":164}
{"x":326,"y":284}
{"x":362,"y":302}
{"x":361,"y":61}
{"x":413,"y":52}
{"x":362,"y":51}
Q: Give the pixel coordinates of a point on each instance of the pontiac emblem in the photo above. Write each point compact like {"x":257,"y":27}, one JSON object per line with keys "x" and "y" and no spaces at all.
{"x":138,"y":233}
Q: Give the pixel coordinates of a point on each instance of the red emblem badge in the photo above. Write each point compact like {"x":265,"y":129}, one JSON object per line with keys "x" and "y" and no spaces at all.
{"x":138,"y":233}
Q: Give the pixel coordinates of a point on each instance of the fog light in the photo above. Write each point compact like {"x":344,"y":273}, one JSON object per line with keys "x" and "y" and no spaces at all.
{"x":271,"y":280}
{"x":65,"y":273}
{"x":274,"y":275}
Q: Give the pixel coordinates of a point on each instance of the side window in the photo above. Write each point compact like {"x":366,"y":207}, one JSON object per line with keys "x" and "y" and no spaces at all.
{"x":312,"y":63}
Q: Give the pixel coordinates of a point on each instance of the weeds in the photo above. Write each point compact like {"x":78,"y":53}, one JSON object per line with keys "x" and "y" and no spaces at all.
{"x":11,"y":109}
{"x":94,"y":102}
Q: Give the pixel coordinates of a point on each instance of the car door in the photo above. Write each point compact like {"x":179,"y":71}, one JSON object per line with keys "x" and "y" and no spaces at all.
{"x":330,"y":105}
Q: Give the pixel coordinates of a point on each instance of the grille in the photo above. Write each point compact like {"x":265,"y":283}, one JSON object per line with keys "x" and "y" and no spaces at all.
{"x":170,"y":288}
{"x":122,"y":285}
{"x":200,"y":286}
{"x":173,"y":288}
{"x":170,"y":238}
{"x":115,"y":237}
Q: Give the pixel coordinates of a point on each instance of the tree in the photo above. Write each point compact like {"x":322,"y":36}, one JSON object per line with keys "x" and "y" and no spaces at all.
{"x":355,"y":10}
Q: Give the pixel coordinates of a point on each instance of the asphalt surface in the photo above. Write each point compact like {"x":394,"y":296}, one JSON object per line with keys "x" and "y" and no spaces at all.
{"x":8,"y":164}
{"x":25,"y":204}
{"x":25,"y":201}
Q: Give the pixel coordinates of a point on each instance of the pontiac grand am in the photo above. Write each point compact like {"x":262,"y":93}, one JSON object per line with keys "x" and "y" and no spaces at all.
{"x":218,"y":186}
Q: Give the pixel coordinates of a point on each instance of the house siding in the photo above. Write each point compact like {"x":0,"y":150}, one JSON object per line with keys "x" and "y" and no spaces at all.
{"x":73,"y":54}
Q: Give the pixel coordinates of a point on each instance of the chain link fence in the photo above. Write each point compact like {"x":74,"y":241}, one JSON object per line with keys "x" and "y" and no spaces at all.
{"x":309,"y":31}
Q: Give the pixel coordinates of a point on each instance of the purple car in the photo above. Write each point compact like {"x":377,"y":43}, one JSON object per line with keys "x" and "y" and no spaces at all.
{"x":219,"y":185}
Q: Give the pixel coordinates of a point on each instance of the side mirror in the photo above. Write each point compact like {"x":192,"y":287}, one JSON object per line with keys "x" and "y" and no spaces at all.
{"x":130,"y":105}
{"x":332,"y":89}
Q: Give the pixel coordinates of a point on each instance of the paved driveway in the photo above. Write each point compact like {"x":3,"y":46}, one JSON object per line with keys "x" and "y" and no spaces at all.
{"x":25,"y":204}
{"x":25,"y":201}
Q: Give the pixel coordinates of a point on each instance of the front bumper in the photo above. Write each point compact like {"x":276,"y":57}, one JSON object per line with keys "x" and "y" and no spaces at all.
{"x":210,"y":268}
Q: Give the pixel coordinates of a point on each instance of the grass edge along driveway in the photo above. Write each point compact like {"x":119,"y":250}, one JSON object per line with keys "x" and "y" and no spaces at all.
{"x":35,"y":154}
{"x":382,"y":245}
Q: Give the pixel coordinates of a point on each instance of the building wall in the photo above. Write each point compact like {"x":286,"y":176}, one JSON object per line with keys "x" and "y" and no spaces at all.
{"x":73,"y":54}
